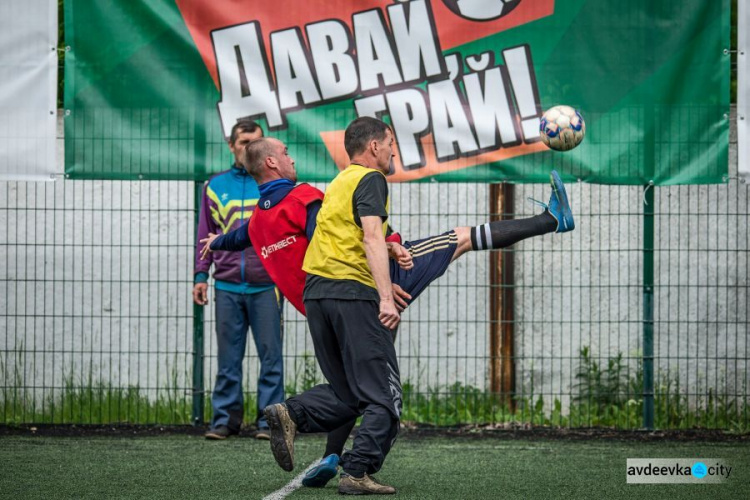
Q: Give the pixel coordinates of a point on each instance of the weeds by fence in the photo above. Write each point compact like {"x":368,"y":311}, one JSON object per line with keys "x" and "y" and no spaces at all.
{"x":606,"y":396}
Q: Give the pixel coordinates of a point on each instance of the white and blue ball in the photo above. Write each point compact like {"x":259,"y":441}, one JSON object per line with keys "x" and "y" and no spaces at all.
{"x":562,"y":128}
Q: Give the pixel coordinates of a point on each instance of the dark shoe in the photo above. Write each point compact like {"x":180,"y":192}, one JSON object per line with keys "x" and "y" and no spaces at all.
{"x":283,"y":430}
{"x":349,"y":485}
{"x":219,"y":433}
{"x":263,"y":434}
{"x":318,"y":476}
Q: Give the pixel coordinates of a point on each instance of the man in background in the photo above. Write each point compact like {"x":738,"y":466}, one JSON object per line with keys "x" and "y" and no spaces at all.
{"x":245,"y":295}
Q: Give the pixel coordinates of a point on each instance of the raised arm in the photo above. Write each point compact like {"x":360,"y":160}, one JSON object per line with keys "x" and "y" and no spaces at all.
{"x":233,"y":241}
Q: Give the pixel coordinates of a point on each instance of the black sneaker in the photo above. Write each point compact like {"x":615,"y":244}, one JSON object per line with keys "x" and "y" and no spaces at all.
{"x":283,"y":430}
{"x":219,"y":433}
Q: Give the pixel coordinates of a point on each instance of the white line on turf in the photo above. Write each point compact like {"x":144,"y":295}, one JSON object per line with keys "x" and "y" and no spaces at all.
{"x":294,"y":484}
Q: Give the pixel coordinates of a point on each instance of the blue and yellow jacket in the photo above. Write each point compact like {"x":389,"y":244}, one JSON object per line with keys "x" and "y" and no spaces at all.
{"x":228,"y":199}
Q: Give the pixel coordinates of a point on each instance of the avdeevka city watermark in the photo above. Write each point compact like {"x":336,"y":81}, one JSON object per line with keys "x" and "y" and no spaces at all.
{"x":677,"y":470}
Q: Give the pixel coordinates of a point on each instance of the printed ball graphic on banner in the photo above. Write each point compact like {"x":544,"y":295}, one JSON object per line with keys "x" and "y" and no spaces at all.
{"x":481,"y":10}
{"x":562,"y":128}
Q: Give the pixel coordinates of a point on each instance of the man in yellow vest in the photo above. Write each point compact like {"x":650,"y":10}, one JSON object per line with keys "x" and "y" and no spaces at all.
{"x":351,"y":313}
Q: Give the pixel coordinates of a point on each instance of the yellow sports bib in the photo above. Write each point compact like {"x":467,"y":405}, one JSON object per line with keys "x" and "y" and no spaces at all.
{"x":337,"y":250}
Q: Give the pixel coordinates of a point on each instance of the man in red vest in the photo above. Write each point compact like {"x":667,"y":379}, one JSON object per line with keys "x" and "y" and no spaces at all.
{"x":283,"y":224}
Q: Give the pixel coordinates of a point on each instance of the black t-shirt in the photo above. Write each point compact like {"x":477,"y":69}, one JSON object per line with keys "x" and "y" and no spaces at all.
{"x":369,"y":199}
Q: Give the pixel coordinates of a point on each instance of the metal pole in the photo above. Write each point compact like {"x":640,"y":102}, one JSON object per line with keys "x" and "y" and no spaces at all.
{"x":199,"y":151}
{"x":648,"y":308}
{"x":649,"y":167}
{"x":502,"y":321}
{"x":198,"y":344}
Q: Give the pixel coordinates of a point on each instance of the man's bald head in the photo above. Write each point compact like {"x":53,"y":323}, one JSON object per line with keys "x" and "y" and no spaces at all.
{"x":267,"y":159}
{"x":256,"y":153}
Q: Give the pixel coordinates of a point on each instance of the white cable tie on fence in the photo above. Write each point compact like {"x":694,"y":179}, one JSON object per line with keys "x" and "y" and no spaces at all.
{"x":649,"y":186}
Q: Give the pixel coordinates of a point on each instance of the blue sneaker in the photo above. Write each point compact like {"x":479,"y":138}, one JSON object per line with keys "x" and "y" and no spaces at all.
{"x":558,"y":206}
{"x":318,"y":476}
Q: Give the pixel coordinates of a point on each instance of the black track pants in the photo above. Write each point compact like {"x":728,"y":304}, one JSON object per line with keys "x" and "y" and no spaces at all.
{"x":357,"y":356}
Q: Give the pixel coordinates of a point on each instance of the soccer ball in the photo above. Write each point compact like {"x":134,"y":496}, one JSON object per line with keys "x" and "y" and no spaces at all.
{"x":562,"y":128}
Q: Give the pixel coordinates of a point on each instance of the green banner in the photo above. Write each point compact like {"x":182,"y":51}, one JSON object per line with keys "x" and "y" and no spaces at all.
{"x":152,"y":87}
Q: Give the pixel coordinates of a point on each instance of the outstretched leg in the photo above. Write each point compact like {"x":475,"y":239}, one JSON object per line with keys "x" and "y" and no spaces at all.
{"x":557,"y":217}
{"x":432,"y":256}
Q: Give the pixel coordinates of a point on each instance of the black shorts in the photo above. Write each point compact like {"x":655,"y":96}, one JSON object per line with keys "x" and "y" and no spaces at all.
{"x":431,"y":257}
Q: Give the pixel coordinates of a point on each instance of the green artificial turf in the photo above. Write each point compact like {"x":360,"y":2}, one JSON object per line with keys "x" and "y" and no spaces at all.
{"x":178,"y":467}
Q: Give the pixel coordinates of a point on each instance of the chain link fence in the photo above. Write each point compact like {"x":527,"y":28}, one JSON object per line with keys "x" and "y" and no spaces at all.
{"x":97,"y":323}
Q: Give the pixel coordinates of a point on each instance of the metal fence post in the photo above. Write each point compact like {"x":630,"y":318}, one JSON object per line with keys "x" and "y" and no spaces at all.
{"x":648,"y":307}
{"x":502,"y":357}
{"x":199,"y":151}
{"x":649,"y":164}
{"x":198,"y":393}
